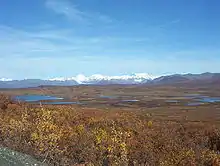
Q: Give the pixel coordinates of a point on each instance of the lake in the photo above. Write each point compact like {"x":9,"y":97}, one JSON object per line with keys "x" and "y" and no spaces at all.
{"x":199,"y":100}
{"x":196,"y":99}
{"x":61,"y":103}
{"x":209,"y":99}
{"x":195,"y":104}
{"x":130,"y":100}
{"x":108,"y":97}
{"x":44,"y":99}
{"x":35,"y":98}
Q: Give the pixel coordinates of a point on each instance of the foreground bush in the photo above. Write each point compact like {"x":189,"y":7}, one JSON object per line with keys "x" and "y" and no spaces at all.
{"x":71,"y":136}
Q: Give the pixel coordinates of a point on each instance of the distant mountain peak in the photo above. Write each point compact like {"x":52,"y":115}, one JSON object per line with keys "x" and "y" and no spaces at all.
{"x":82,"y":79}
{"x":5,"y":79}
{"x":98,"y":79}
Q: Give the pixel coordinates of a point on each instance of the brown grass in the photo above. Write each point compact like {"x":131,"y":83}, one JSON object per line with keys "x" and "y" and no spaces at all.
{"x":64,"y":135}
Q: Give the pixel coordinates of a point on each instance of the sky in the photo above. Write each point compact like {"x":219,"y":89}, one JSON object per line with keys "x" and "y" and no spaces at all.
{"x":63,"y":38}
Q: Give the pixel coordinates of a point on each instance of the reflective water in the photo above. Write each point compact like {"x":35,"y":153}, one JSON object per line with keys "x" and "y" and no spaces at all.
{"x":130,"y":100}
{"x":203,"y":99}
{"x":195,"y":104}
{"x":60,"y":103}
{"x":196,"y":99}
{"x":209,"y":99}
{"x":108,"y":97}
{"x":35,"y":98}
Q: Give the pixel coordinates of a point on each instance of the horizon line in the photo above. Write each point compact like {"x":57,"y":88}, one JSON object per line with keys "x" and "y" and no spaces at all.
{"x":140,"y":74}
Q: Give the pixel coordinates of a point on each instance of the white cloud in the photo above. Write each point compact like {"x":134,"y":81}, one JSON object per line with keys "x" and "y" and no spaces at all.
{"x":169,"y":23}
{"x":58,"y":42}
{"x":73,"y":13}
{"x":65,"y":8}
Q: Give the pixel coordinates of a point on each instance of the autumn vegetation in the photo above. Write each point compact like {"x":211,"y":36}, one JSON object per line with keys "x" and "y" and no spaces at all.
{"x":73,"y":135}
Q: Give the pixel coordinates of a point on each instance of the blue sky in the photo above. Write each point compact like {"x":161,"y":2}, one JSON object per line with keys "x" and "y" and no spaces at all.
{"x":53,"y":38}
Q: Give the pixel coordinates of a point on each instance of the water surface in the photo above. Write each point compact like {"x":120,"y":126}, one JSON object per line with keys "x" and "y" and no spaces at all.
{"x":108,"y":97}
{"x":209,"y":99}
{"x":60,"y":103}
{"x":130,"y":100}
{"x":35,"y":98}
{"x":197,"y":99}
{"x":195,"y":104}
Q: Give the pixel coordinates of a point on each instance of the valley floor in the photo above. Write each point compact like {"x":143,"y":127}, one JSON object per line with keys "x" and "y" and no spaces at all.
{"x":153,"y":129}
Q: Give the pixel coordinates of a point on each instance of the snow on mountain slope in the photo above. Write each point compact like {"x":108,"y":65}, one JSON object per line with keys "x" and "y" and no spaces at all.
{"x":140,"y":78}
{"x":96,"y":78}
{"x":5,"y":79}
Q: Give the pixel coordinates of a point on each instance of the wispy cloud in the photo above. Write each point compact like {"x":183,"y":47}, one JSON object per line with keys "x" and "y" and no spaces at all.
{"x":169,"y":23}
{"x":43,"y":53}
{"x":74,"y":13}
{"x":59,"y":42}
{"x":65,"y":8}
{"x":166,"y":24}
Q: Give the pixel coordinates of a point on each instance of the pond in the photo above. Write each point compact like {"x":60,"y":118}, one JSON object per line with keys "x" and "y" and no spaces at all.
{"x":35,"y":98}
{"x":130,"y":100}
{"x":209,"y":99}
{"x":199,"y":100}
{"x":61,"y":103}
{"x":195,"y":104}
{"x":108,"y":97}
{"x":44,"y":99}
{"x":196,"y":99}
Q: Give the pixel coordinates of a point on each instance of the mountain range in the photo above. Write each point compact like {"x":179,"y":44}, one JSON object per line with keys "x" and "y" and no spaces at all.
{"x":208,"y":78}
{"x":140,"y":78}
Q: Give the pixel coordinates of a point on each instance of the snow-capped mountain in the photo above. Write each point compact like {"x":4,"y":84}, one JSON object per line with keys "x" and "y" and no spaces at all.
{"x":97,"y":79}
{"x":103,"y":79}
{"x":79,"y":79}
{"x":5,"y":79}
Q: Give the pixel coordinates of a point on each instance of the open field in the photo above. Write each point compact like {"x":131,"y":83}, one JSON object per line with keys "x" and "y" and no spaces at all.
{"x":110,"y":130}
